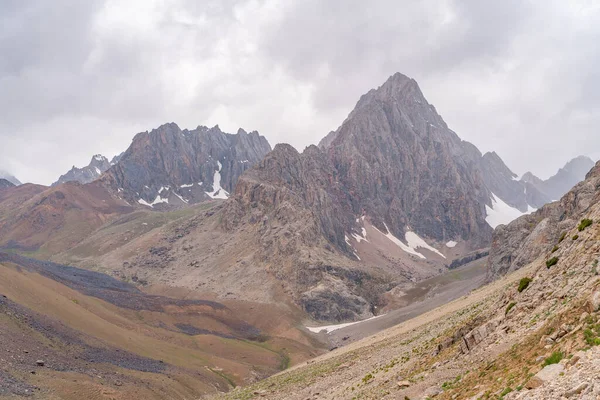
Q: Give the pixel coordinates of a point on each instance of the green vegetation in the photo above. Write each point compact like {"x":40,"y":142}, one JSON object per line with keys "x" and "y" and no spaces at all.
{"x":505,"y":392}
{"x":524,"y":284}
{"x":368,"y":378}
{"x":575,"y":237}
{"x":584,"y":224}
{"x":510,"y":307}
{"x":450,"y":384}
{"x":554,"y":358}
{"x":554,"y":249}
{"x":562,"y":237}
{"x":551,"y":262}
{"x":591,"y":334}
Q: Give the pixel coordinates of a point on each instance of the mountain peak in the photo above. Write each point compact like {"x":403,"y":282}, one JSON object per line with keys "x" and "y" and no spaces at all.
{"x":9,"y":177}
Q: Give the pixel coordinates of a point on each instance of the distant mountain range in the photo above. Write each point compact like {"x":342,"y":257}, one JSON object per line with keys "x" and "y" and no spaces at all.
{"x":392,"y":196}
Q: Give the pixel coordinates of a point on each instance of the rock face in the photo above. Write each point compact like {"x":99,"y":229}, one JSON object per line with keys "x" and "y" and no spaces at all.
{"x":525,"y":239}
{"x":10,"y":178}
{"x":567,"y":177}
{"x":5,"y":184}
{"x":170,"y":165}
{"x":504,"y":183}
{"x":97,"y":166}
{"x":399,"y":163}
{"x":393,"y":169}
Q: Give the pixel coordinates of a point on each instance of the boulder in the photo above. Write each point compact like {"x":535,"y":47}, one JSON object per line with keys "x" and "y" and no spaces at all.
{"x":547,"y":374}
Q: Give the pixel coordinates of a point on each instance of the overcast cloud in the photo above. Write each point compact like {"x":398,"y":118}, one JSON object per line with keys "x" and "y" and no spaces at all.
{"x":82,"y":77}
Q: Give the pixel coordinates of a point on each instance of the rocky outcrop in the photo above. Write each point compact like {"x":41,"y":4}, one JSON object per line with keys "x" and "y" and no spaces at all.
{"x":97,"y":166}
{"x":525,"y":239}
{"x":173,"y":166}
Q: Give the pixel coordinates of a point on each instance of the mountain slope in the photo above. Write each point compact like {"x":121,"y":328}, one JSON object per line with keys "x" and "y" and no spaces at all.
{"x":99,"y":337}
{"x":97,"y":166}
{"x":173,"y":166}
{"x":525,"y":239}
{"x":48,"y":220}
{"x":531,"y":334}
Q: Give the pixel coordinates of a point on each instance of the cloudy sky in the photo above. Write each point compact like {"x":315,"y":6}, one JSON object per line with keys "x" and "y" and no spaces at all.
{"x":82,"y":77}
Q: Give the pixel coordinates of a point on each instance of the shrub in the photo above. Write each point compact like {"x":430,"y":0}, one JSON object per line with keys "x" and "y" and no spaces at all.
{"x":562,"y":237}
{"x":510,"y":307}
{"x":575,"y":237}
{"x":551,"y":262}
{"x":591,"y":338}
{"x":584,"y":224}
{"x":506,"y":391}
{"x":523,"y":284}
{"x":554,"y":358}
{"x":554,"y":249}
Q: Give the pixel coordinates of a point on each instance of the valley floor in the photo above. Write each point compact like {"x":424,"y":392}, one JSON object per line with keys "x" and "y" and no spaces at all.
{"x":397,"y":362}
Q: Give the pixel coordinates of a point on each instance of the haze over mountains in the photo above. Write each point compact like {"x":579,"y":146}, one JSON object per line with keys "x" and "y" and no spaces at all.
{"x":337,"y":233}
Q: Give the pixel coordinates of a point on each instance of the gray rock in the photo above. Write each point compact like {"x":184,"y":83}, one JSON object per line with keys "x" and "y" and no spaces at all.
{"x":547,"y":374}
{"x":594,"y":301}
{"x":97,"y":166}
{"x":183,"y":166}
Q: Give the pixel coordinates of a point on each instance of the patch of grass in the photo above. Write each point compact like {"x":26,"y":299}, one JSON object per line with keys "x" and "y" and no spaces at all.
{"x":368,"y":378}
{"x":591,"y":334}
{"x":575,"y":237}
{"x":506,"y":391}
{"x":524,"y":284}
{"x":562,"y":237}
{"x":510,"y":307}
{"x":554,"y":358}
{"x":584,"y":224}
{"x":450,"y":384}
{"x":551,"y":262}
{"x":554,"y":249}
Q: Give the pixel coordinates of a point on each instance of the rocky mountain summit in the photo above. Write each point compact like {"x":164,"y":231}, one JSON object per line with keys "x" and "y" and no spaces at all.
{"x":560,"y":183}
{"x":173,"y":166}
{"x":97,"y":166}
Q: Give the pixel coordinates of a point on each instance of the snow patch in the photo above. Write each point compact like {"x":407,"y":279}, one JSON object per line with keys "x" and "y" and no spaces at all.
{"x":98,"y":171}
{"x":157,"y":200}
{"x":186,"y":186}
{"x":218,"y":192}
{"x":399,"y":243}
{"x":347,"y":239}
{"x":451,"y":244}
{"x":361,"y":238}
{"x":180,"y":198}
{"x":331,"y":328}
{"x":413,"y":241}
{"x":501,"y":213}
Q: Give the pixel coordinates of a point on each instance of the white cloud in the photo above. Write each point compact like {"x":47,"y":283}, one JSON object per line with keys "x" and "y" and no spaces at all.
{"x":80,"y":78}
